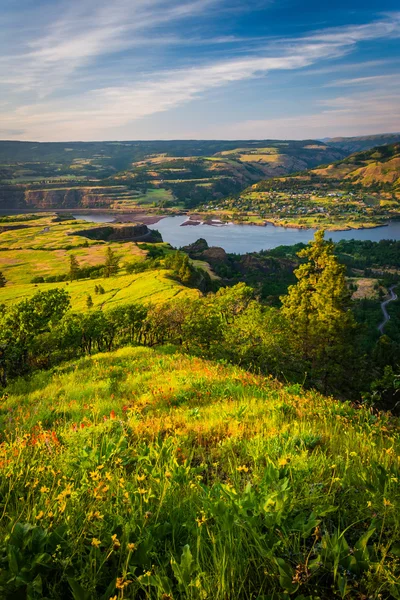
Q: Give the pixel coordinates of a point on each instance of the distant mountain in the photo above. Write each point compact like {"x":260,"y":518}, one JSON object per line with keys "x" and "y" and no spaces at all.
{"x":366,"y":142}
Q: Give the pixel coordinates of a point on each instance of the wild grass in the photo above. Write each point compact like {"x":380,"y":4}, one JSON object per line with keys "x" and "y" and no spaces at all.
{"x":153,"y":286}
{"x":148,"y":474}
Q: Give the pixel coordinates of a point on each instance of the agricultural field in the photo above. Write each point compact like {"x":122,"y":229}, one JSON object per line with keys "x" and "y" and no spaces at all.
{"x":147,"y":474}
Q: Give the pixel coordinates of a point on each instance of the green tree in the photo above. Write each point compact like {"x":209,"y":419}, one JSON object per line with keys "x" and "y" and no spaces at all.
{"x":89,"y":301}
{"x":317,"y":309}
{"x":3,"y":280}
{"x":73,"y":268}
{"x":111,"y":266}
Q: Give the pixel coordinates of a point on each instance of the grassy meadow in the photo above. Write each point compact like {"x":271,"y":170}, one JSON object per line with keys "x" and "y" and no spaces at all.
{"x":149,"y":287}
{"x":148,"y":474}
{"x":43,"y":248}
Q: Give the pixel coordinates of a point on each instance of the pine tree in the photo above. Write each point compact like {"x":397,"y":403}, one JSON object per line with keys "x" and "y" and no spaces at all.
{"x":3,"y":280}
{"x":317,"y":309}
{"x":89,"y":301}
{"x":73,"y":267}
{"x":112,"y":263}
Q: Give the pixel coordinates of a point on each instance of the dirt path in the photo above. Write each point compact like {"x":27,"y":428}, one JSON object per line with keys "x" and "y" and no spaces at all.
{"x":386,"y":316}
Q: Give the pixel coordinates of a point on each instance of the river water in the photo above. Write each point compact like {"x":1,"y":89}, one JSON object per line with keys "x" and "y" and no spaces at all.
{"x":248,"y":238}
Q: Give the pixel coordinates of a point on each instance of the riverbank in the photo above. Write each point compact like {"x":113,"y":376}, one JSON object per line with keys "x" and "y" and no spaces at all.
{"x":216,"y":219}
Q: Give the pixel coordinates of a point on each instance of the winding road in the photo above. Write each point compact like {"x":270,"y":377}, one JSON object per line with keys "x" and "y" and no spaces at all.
{"x":386,"y":316}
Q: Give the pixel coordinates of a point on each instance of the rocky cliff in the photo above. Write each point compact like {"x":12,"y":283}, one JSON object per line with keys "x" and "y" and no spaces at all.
{"x":135,"y":233}
{"x":68,"y":198}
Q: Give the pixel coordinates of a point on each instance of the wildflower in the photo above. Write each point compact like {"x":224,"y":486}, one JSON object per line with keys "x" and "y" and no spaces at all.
{"x":44,"y":489}
{"x":168,"y":475}
{"x":131,"y":547}
{"x":282,"y":462}
{"x":141,"y":477}
{"x":115,"y":541}
{"x":122,"y":583}
{"x":118,"y":461}
{"x":201,"y":520}
{"x":141,"y":491}
{"x":369,"y":504}
{"x":96,"y":543}
{"x":108,"y":476}
{"x":100,"y":467}
{"x":243,"y":468}
{"x":95,"y":516}
{"x":40,"y":516}
{"x":387,"y":502}
{"x":353,"y":453}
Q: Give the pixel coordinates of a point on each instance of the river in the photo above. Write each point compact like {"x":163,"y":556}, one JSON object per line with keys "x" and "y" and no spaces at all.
{"x":248,"y":238}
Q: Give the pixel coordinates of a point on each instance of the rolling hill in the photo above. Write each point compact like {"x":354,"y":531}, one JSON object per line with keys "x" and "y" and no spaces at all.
{"x":178,"y":477}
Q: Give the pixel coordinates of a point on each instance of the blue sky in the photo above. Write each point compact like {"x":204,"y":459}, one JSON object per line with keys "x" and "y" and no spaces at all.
{"x":169,"y":69}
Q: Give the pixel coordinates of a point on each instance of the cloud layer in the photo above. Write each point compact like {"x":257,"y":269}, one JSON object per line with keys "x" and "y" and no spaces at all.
{"x":56,"y":89}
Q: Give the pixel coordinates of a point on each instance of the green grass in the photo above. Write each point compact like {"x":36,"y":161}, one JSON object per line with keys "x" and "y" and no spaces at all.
{"x":187,"y":479}
{"x":148,"y":287}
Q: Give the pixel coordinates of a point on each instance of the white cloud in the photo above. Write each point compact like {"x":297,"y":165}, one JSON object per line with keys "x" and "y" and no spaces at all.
{"x":95,"y":113}
{"x":358,"y":114}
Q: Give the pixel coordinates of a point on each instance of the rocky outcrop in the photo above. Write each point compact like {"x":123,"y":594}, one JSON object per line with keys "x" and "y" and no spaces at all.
{"x":69,"y":198}
{"x":200,"y":250}
{"x":133,"y":233}
{"x":197,"y":247}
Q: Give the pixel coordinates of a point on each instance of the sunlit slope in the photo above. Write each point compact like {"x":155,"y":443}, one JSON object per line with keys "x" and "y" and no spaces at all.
{"x":148,"y":287}
{"x":183,"y":478}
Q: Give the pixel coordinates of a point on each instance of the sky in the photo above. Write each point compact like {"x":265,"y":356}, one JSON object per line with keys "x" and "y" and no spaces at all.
{"x":81,"y":70}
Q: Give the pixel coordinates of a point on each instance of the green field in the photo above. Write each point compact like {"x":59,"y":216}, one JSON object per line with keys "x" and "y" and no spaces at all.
{"x":149,"y":287}
{"x":146,"y":474}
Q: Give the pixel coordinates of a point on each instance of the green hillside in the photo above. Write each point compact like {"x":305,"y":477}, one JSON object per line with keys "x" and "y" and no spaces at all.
{"x":362,"y":190}
{"x":147,"y":474}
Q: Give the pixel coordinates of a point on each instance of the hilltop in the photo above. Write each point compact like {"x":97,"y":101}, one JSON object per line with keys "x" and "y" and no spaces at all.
{"x":183,"y":478}
{"x":364,"y":142}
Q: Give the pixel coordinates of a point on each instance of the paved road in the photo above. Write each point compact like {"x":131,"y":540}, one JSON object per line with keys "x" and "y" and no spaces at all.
{"x":386,"y":316}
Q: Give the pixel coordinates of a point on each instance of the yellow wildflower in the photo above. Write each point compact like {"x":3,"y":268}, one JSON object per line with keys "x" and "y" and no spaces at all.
{"x":387,"y":502}
{"x":40,"y":516}
{"x":243,"y":468}
{"x":115,"y":541}
{"x":96,"y":543}
{"x":141,"y":477}
{"x":131,"y":547}
{"x":44,"y":489}
{"x":141,"y":491}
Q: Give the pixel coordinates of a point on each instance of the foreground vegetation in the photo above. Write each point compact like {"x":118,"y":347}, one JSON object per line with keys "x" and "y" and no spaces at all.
{"x":148,"y":474}
{"x":148,"y":450}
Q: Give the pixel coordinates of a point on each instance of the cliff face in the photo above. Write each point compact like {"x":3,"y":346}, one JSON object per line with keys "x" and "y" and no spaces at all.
{"x":136,"y":233}
{"x":68,"y":198}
